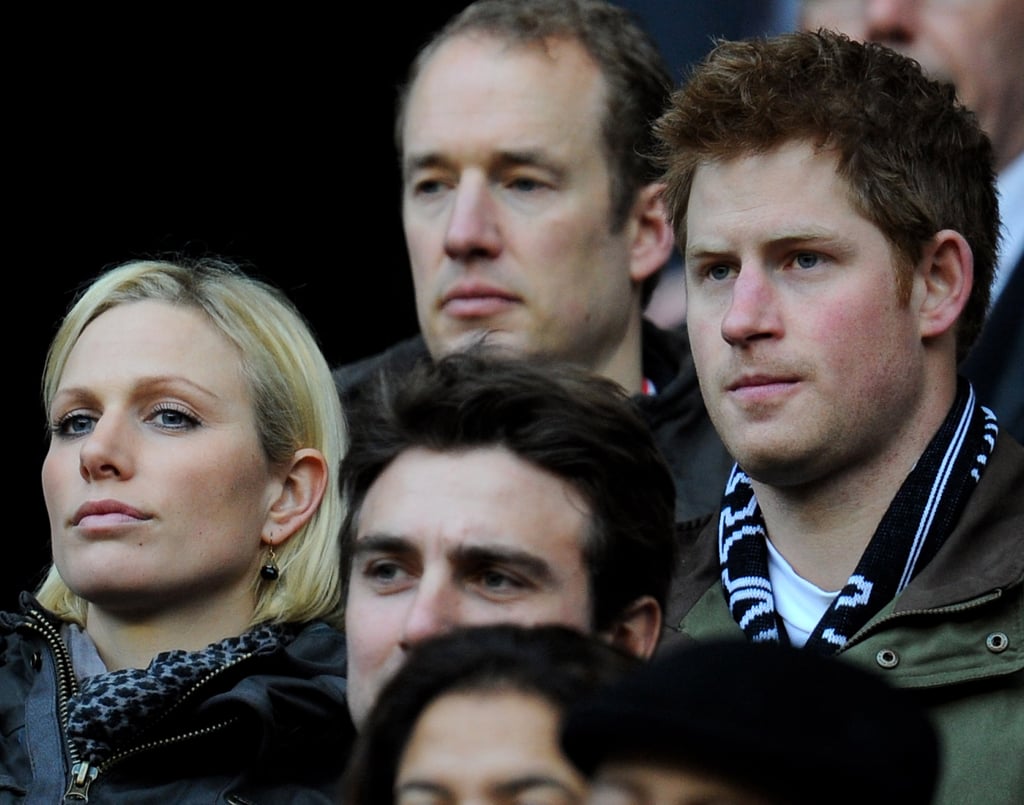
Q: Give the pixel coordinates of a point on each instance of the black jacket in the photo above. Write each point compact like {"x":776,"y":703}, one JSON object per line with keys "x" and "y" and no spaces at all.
{"x":272,"y":729}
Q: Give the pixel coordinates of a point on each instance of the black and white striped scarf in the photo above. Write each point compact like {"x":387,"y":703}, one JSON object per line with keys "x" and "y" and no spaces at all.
{"x":917,"y":522}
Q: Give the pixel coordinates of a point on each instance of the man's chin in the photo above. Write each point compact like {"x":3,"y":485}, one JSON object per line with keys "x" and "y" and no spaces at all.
{"x":784,"y":469}
{"x":499,"y":342}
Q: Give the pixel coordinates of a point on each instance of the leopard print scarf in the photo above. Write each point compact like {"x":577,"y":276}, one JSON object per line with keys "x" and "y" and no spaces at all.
{"x":113,"y":708}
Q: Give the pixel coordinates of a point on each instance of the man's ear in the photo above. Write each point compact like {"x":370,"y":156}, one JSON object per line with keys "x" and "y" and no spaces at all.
{"x":652,"y":240}
{"x":638,"y":628}
{"x":943,"y":281}
{"x":302,"y":489}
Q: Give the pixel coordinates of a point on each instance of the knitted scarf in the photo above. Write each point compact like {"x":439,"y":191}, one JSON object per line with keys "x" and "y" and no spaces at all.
{"x":114,"y":708}
{"x":917,"y":522}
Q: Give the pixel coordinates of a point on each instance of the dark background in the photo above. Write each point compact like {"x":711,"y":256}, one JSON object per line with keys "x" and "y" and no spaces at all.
{"x":259,"y":138}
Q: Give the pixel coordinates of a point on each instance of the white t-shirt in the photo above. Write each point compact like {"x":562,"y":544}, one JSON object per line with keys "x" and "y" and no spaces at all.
{"x":799,"y":603}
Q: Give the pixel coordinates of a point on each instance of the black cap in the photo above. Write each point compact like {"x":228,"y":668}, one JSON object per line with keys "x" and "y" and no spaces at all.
{"x":789,"y":724}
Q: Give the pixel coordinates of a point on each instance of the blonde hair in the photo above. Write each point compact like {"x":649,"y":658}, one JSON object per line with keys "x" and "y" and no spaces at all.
{"x":294,"y":397}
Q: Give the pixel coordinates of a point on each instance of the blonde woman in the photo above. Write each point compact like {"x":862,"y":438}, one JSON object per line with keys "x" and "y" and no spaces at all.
{"x":183,"y":647}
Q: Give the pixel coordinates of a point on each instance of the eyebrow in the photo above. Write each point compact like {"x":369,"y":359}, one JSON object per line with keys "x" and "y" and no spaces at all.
{"x":143,"y":385}
{"x":526,"y":563}
{"x":462,"y":555}
{"x":783,"y":240}
{"x":520,"y":784}
{"x":504,"y":159}
{"x":383,"y":543}
{"x":503,"y":789}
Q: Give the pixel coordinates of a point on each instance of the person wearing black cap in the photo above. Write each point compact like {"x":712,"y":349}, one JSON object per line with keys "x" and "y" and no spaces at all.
{"x":739,"y":723}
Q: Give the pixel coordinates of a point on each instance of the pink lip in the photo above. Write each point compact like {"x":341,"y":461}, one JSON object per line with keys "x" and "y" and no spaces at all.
{"x":759,"y":381}
{"x":762,"y":389}
{"x":106,"y":512}
{"x":475,"y":300}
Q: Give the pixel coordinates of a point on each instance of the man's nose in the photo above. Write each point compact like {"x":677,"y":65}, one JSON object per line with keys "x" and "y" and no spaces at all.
{"x":891,"y":22}
{"x":473,"y":228}
{"x":752,"y":312}
{"x":434,"y":610}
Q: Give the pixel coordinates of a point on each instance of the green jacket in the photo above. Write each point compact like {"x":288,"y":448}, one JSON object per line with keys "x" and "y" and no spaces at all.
{"x":955,"y":635}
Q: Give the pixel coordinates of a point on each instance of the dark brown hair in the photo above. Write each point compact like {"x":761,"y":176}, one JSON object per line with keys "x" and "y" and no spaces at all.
{"x":579,"y":426}
{"x":555,"y":663}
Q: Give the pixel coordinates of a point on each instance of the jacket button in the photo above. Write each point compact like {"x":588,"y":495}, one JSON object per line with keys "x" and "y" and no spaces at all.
{"x":997,"y":642}
{"x":37,"y":661}
{"x":887,"y":658}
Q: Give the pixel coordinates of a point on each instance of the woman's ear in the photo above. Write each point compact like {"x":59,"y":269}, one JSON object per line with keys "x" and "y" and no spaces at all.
{"x":302,"y":489}
{"x":946,"y":277}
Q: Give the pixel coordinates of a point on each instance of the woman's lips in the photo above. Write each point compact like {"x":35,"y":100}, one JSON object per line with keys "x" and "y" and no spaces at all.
{"x":105,"y":513}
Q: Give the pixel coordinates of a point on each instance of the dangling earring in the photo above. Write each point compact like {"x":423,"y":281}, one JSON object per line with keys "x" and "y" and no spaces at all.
{"x":269,"y":571}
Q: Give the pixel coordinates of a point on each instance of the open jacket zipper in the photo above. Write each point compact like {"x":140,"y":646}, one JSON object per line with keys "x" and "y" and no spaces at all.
{"x":82,"y":772}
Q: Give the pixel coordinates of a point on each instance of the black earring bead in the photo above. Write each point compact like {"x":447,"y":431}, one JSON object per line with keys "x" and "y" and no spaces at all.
{"x":269,"y":572}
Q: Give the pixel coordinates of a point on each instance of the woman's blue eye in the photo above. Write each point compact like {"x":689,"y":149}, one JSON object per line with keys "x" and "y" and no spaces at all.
{"x":173,"y":419}
{"x":74,"y":425}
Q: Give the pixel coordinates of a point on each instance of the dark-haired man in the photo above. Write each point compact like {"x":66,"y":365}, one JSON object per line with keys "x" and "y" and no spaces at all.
{"x":483,"y":489}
